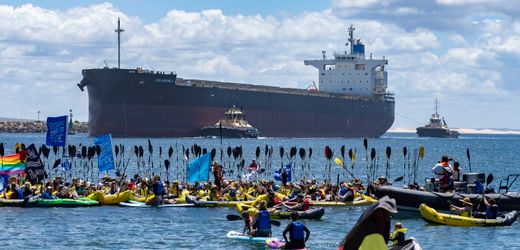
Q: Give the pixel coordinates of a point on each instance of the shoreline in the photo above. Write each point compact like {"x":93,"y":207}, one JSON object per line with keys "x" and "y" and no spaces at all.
{"x":17,"y":126}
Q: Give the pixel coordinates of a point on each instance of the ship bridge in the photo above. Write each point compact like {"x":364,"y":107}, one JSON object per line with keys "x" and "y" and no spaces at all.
{"x":351,"y":73}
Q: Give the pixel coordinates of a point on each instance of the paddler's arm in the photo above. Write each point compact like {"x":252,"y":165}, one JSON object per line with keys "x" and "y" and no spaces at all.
{"x":286,"y":230}
{"x":308,"y":233}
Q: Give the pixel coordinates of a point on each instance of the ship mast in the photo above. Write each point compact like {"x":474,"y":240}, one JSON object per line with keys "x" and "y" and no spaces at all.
{"x":119,"y":31}
{"x":351,"y":37}
{"x":436,"y":107}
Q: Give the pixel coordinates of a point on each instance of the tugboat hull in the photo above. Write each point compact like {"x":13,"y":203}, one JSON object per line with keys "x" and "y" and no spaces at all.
{"x":229,"y":132}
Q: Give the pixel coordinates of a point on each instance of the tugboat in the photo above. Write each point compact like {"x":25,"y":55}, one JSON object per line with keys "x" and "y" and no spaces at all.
{"x":437,"y":127}
{"x":232,"y":126}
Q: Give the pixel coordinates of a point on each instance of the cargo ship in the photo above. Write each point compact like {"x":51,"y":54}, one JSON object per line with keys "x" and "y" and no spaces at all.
{"x":234,"y":125}
{"x":437,"y":127}
{"x":350,"y":101}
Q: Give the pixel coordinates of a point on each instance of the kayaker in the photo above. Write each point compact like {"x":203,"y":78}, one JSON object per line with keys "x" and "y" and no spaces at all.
{"x":248,"y":228}
{"x":302,"y":204}
{"x":296,"y":230}
{"x":262,"y":221}
{"x":346,"y":192}
{"x":491,"y":209}
{"x":47,"y":195}
{"x":399,"y":233}
{"x":252,"y":166}
{"x":157,"y":189}
{"x":467,"y":208}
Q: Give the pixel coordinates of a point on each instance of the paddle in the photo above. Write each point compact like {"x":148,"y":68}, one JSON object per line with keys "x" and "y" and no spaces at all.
{"x":388,"y":154}
{"x":339,"y":162}
{"x":488,"y":181}
{"x":233,"y":217}
{"x":400,"y":178}
{"x":469,"y":159}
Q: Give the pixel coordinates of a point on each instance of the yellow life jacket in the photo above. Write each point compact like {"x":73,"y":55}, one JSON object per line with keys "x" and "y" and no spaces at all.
{"x":394,"y":234}
{"x":373,"y":242}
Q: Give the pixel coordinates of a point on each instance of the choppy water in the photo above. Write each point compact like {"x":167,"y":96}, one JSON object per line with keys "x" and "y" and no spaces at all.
{"x":199,"y":228}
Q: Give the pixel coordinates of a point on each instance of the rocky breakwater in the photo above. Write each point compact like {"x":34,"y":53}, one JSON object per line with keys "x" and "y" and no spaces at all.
{"x":36,"y":127}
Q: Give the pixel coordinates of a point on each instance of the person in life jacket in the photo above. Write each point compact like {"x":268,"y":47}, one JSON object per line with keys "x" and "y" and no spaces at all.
{"x":466,"y":210}
{"x":346,"y":193}
{"x":491,"y":210}
{"x":440,"y":169}
{"x":298,"y":233}
{"x":262,"y":221}
{"x":399,"y":233}
{"x":302,"y":204}
{"x":158,"y":190}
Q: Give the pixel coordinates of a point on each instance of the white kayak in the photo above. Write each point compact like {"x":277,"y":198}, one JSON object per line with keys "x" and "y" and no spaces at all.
{"x":142,"y":204}
{"x":239,"y":236}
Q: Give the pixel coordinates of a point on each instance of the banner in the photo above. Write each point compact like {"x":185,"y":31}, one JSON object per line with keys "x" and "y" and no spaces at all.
{"x":56,"y":131}
{"x":198,"y":169}
{"x":12,"y":164}
{"x":34,"y":168}
{"x":106,"y":157}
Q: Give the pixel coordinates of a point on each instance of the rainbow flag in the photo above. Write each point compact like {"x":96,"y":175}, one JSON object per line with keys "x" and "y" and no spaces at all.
{"x":11,"y":165}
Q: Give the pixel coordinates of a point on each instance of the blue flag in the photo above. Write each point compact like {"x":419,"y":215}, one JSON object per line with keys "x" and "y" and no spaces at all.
{"x":65,"y":166}
{"x":56,"y":131}
{"x":278,"y":175}
{"x":198,"y":169}
{"x":106,"y":157}
{"x":3,"y":181}
{"x":288,"y":170}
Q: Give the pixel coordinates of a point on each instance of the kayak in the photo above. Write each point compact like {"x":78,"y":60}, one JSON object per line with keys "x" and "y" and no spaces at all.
{"x":311,"y":214}
{"x":81,"y":202}
{"x":143,"y":205}
{"x":112,"y":199}
{"x":239,"y":236}
{"x":38,"y":202}
{"x":277,"y":244}
{"x":364,"y":201}
{"x":431,"y":215}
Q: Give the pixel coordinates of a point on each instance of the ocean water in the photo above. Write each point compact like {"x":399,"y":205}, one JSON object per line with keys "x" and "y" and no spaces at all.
{"x":201,"y":228}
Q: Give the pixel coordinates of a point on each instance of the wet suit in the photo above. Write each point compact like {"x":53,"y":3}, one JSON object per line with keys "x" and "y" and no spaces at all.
{"x":296,"y":231}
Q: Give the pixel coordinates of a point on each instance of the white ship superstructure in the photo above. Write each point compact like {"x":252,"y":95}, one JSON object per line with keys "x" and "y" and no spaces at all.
{"x":351,"y":73}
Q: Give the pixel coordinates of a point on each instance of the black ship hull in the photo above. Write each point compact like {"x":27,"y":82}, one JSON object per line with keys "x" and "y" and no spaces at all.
{"x":127,"y":103}
{"x":437,"y":132}
{"x":214,"y":131}
{"x":410,"y":200}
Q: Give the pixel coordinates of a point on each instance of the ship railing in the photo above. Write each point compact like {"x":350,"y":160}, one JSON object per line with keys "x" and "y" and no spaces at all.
{"x":271,"y":89}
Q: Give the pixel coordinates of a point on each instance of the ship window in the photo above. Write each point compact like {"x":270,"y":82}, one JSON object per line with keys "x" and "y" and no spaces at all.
{"x":350,"y":89}
{"x":330,"y":67}
{"x":366,"y":74}
{"x":321,"y":81}
{"x":360,"y":67}
{"x":343,"y":73}
{"x":343,"y":89}
{"x":322,"y":74}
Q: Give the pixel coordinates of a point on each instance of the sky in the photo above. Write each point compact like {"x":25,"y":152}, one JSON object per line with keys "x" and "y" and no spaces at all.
{"x":465,"y":53}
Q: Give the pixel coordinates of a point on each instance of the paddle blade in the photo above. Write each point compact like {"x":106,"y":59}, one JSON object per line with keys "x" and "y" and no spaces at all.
{"x":282,"y":150}
{"x":228,"y":152}
{"x":365,"y":143}
{"x":213,"y":153}
{"x":56,"y":163}
{"x":400,"y":178}
{"x":275,"y":223}
{"x":342,"y":150}
{"x":170,"y":152}
{"x":467,"y":154}
{"x":489,"y":179}
{"x":421,"y":152}
{"x":388,"y":152}
{"x":373,"y":153}
{"x":338,"y":161}
{"x":352,"y":154}
{"x":405,"y":151}
{"x":150,"y":147}
{"x":233,"y":217}
{"x":167,"y":164}
{"x":310,"y":152}
{"x":302,"y":153}
{"x":2,"y":149}
{"x":328,"y":152}
{"x":257,"y":152}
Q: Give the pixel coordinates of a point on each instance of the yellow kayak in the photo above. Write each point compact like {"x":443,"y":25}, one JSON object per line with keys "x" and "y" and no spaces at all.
{"x":431,"y":215}
{"x":112,"y":199}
